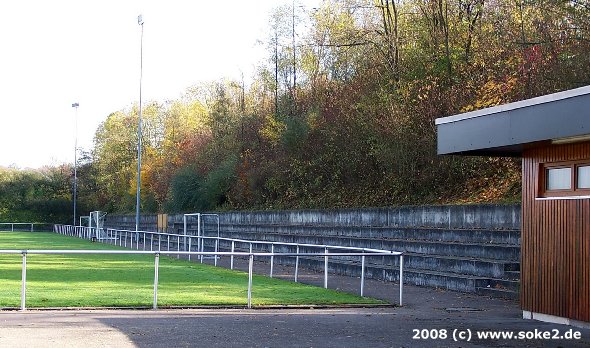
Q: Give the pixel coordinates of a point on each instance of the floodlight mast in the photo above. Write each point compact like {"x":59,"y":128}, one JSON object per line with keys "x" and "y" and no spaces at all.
{"x":75,"y":193}
{"x":140,"y":22}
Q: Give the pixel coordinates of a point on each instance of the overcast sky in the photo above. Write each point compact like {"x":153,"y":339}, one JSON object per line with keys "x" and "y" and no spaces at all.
{"x":55,"y":53}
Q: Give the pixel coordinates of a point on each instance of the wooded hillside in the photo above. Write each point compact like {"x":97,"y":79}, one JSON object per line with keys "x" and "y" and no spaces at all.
{"x":342,"y":112}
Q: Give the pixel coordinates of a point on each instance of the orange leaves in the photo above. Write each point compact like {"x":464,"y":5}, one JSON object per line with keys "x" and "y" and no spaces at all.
{"x":494,"y":93}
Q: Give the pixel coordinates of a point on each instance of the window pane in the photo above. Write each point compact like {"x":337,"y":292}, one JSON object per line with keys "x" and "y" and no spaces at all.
{"x":584,"y":177}
{"x":559,"y":178}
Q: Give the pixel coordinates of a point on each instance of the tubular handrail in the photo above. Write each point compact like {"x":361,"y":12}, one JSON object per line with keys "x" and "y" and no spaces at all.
{"x":170,"y":252}
{"x":157,"y":254}
{"x":121,"y":237}
{"x":247,"y":241}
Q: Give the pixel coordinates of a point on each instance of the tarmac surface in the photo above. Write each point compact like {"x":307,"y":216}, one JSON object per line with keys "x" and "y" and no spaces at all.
{"x":428,"y":318}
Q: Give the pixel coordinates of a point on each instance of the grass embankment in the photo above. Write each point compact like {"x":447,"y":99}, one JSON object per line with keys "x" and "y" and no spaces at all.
{"x":127,"y":280}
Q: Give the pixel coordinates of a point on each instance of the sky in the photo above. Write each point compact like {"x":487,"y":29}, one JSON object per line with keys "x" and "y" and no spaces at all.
{"x":56,"y":53}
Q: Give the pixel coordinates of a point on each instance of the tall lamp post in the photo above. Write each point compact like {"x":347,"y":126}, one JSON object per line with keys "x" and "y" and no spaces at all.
{"x":75,"y":194}
{"x":140,"y":22}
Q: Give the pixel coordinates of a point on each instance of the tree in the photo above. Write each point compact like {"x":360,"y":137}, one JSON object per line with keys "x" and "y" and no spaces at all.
{"x":341,"y":113}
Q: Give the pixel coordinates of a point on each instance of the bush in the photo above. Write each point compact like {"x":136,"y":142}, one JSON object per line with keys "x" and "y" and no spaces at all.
{"x":219,"y":182}
{"x":185,"y":189}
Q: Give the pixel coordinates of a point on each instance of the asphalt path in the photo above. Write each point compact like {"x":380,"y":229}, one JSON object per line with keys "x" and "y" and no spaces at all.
{"x":428,"y":318}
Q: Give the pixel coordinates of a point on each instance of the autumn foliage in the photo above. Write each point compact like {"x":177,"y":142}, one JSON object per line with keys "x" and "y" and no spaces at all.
{"x":345,"y":117}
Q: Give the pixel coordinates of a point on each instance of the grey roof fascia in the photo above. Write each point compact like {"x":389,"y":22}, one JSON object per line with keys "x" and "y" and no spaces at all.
{"x":507,"y":130}
{"x":515,"y":105}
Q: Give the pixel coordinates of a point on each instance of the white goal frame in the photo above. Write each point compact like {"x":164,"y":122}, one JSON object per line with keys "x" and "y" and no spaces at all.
{"x":200,"y":228}
{"x":96,"y":223}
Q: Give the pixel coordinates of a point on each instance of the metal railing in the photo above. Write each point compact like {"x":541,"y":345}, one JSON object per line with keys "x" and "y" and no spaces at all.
{"x":26,"y":226}
{"x":157,"y":254}
{"x":184,"y":245}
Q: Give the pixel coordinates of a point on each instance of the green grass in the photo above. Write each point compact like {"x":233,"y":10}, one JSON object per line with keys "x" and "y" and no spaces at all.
{"x":127,"y":280}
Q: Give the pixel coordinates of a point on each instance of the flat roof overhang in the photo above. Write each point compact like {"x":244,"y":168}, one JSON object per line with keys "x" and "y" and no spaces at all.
{"x":507,"y":130}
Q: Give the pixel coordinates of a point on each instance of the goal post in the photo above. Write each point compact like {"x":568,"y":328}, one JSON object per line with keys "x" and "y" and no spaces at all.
{"x":96,"y":223}
{"x":202,"y":230}
{"x":84,"y":221}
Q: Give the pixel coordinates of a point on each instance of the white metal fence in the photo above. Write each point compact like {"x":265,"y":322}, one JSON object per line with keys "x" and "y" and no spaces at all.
{"x":160,"y":243}
{"x":157,"y":241}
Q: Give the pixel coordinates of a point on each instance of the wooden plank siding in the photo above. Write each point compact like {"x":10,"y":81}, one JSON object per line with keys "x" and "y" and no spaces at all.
{"x":555,"y":255}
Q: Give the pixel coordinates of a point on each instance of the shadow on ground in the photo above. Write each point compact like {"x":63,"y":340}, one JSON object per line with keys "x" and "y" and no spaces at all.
{"x":426,"y":313}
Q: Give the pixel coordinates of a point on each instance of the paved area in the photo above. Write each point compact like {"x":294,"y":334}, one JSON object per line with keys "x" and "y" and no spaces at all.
{"x":436,"y":317}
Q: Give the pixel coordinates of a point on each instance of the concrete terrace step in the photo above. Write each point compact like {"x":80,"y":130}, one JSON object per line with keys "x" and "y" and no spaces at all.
{"x":481,"y":251}
{"x":415,"y":276}
{"x":498,"y":293}
{"x":459,"y":265}
{"x":378,"y":232}
{"x":463,"y":248}
{"x":451,"y":264}
{"x":512,"y":275}
{"x":504,"y":284}
{"x":444,"y":280}
{"x":464,"y":259}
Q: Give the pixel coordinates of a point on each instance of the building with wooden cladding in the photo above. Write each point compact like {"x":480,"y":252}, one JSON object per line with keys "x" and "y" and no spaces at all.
{"x":552,"y":135}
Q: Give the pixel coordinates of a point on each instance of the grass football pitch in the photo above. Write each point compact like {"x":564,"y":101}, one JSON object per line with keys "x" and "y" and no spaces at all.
{"x":127,"y":280}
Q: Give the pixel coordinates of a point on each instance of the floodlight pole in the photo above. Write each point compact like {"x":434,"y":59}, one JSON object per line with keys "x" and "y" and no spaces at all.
{"x":140,"y":22}
{"x":75,"y":193}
